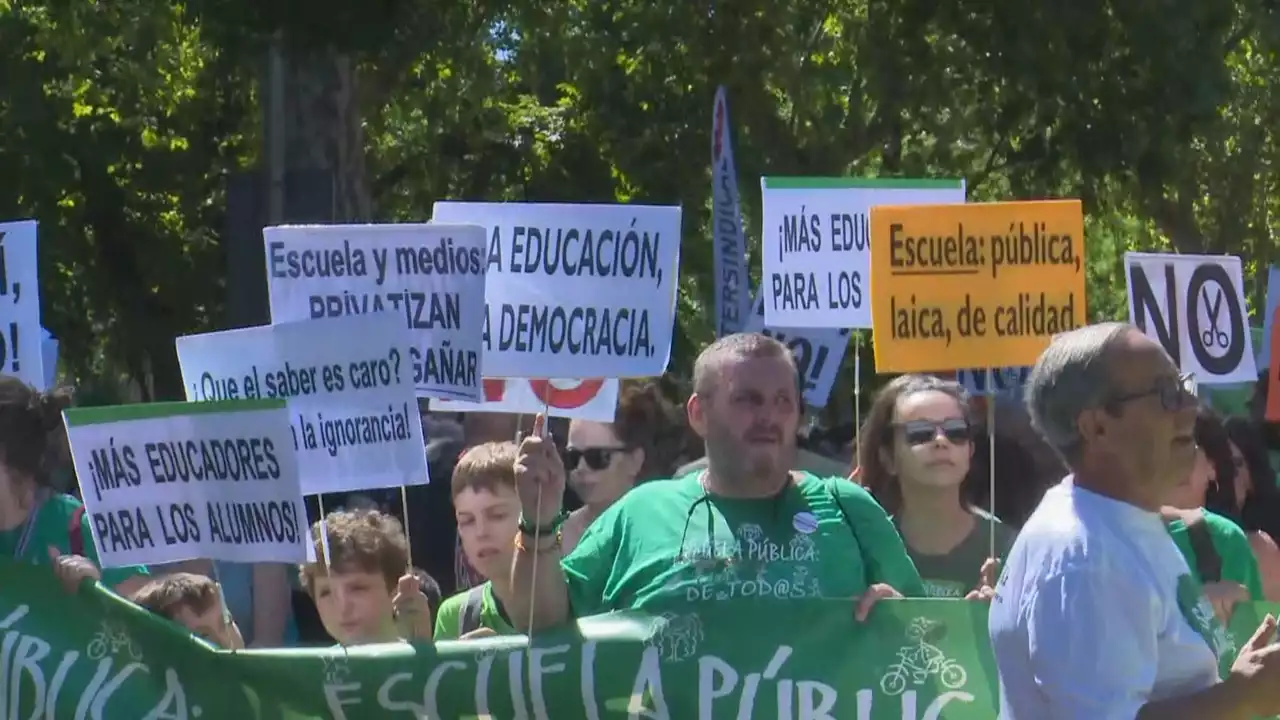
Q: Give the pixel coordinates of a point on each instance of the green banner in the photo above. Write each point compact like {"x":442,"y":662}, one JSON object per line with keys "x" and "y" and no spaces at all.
{"x":93,"y":655}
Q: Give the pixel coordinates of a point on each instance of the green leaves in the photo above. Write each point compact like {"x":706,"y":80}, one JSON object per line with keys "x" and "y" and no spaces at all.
{"x":119,"y":122}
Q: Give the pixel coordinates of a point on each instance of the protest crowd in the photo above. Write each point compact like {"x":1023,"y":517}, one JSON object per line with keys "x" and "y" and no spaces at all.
{"x":386,"y":471}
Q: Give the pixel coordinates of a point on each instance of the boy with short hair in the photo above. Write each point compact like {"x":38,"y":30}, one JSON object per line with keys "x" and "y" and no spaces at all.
{"x":368,"y":593}
{"x":194,"y":602}
{"x":488,"y":513}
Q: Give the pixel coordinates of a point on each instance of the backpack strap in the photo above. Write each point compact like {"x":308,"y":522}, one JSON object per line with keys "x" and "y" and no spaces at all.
{"x":75,"y":531}
{"x":472,"y":605}
{"x":1208,"y":561}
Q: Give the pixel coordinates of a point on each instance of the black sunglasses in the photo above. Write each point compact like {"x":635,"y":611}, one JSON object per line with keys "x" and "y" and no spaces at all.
{"x":922,"y":432}
{"x":598,"y":458}
{"x":1174,"y":394}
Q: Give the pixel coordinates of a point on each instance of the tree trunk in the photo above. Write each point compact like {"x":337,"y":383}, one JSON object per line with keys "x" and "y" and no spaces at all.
{"x":323,"y":130}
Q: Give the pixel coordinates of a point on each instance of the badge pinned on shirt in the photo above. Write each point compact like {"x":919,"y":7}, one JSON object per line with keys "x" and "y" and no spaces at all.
{"x":805,"y":522}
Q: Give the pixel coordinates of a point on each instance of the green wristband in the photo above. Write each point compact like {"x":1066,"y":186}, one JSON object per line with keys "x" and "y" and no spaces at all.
{"x":527,"y":528}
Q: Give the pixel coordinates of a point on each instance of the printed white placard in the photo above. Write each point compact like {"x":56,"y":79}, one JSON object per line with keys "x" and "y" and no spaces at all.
{"x":349,"y":389}
{"x":432,"y":275}
{"x":1194,"y":306}
{"x":818,"y":353}
{"x":21,"y":337}
{"x":164,"y":482}
{"x":592,"y":399}
{"x":816,"y":245}
{"x":583,"y":290}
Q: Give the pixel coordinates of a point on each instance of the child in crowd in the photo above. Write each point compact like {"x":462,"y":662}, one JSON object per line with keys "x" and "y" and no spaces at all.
{"x":194,"y":602}
{"x":488,"y":512}
{"x":368,"y":593}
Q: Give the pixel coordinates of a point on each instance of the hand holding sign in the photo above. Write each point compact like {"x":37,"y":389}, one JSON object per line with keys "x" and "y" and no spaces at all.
{"x":72,"y":570}
{"x":411,"y":610}
{"x":985,"y":591}
{"x":540,"y":475}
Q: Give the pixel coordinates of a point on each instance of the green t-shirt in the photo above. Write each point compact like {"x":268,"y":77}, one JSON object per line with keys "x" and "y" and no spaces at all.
{"x":954,"y":574}
{"x":671,"y":540}
{"x":1238,"y":562}
{"x":52,"y":529}
{"x":449,"y":617}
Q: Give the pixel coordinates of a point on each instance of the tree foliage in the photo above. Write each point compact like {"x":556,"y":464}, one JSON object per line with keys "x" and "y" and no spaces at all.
{"x":119,"y":123}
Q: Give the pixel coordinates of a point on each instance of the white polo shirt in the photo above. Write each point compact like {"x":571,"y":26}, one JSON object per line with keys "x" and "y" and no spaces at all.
{"x":1087,"y":623}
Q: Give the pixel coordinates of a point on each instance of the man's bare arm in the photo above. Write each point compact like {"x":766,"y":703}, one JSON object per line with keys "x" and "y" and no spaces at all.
{"x":538,"y":582}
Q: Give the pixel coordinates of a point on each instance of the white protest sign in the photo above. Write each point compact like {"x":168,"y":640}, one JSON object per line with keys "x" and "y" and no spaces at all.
{"x":592,"y":399}
{"x":21,"y":349}
{"x":818,"y":352}
{"x":164,"y":482}
{"x":576,"y":291}
{"x":351,"y":403}
{"x":433,"y":276}
{"x":1194,"y":306}
{"x":816,"y":244}
{"x":1006,"y":382}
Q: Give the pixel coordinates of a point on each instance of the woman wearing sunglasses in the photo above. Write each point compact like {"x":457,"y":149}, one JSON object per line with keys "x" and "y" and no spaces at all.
{"x":914,"y":454}
{"x":605,"y":460}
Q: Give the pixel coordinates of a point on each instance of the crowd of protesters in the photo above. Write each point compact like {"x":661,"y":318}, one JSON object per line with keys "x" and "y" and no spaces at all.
{"x":626,"y":514}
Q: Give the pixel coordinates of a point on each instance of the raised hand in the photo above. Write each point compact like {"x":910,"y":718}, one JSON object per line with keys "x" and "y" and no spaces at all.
{"x":540,"y":476}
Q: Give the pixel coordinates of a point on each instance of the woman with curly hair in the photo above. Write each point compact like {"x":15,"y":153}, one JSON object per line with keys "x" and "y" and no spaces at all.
{"x":605,"y":460}
{"x":38,"y":524}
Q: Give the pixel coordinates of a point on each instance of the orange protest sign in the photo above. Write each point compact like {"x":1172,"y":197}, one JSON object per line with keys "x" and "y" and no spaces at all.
{"x":1273,"y":383}
{"x":975,"y":285}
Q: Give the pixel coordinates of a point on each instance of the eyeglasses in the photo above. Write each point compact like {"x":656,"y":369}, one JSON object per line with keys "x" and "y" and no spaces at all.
{"x":1174,"y":394}
{"x":598,"y":458}
{"x":922,"y":432}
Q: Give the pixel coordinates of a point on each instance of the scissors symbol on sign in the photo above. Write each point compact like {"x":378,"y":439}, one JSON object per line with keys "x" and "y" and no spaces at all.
{"x":1213,"y":336}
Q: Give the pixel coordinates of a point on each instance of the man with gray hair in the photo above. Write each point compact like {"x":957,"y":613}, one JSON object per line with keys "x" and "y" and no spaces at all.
{"x":745,"y":527}
{"x":1097,"y":615}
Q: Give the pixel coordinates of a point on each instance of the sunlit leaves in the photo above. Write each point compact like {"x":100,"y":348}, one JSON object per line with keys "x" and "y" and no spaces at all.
{"x":1160,"y":115}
